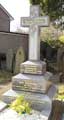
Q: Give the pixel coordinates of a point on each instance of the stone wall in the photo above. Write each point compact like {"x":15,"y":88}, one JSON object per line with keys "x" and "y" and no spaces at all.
{"x":4,"y":21}
{"x":13,"y":41}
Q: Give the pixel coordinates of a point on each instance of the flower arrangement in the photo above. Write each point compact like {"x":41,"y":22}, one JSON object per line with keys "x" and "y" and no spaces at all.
{"x":20,"y":105}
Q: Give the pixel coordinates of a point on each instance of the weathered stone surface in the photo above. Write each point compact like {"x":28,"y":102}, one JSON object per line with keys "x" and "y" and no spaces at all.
{"x":34,"y":22}
{"x":41,"y":102}
{"x":33,"y":67}
{"x":38,"y":97}
{"x":36,"y":115}
{"x":35,"y":99}
{"x":2,"y":106}
{"x":20,"y":57}
{"x":34,"y":83}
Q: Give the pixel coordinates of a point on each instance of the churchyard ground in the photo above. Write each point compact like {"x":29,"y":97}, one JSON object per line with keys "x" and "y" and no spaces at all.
{"x":5,"y":81}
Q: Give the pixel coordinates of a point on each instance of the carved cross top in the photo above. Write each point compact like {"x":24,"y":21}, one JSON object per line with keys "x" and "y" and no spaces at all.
{"x":34,"y":22}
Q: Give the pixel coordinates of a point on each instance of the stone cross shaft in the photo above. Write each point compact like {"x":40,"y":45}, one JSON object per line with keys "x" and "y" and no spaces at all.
{"x":34,"y":22}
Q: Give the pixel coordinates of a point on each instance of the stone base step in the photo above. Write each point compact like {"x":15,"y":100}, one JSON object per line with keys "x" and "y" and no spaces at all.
{"x":34,"y":83}
{"x":37,"y":101}
{"x":10,"y":95}
{"x":3,"y":105}
{"x":40,"y":102}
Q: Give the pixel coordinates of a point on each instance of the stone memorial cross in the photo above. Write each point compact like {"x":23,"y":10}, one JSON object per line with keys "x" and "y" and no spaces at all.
{"x":34,"y":22}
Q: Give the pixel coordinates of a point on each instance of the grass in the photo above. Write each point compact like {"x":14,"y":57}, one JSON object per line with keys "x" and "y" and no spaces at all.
{"x":5,"y":76}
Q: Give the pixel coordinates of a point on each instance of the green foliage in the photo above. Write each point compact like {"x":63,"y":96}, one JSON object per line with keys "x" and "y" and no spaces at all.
{"x":20,"y":105}
{"x":20,"y":57}
{"x":60,"y":97}
{"x":53,"y":43}
{"x":5,"y":76}
{"x":42,"y":3}
{"x":51,"y":7}
{"x":52,"y":37}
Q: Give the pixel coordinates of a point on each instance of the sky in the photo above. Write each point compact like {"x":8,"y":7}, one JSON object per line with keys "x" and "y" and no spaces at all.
{"x":17,"y":8}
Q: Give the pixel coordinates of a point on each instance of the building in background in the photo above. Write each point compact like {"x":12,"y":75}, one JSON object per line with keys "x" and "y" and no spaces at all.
{"x":10,"y":40}
{"x":5,"y":19}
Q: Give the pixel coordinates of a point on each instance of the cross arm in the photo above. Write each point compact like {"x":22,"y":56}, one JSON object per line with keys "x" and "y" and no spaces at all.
{"x":39,"y":21}
{"x":26,"y":21}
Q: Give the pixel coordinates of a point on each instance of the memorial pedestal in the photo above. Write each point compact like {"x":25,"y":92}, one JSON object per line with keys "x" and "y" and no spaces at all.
{"x":33,"y":67}
{"x":32,"y":83}
{"x":37,"y":89}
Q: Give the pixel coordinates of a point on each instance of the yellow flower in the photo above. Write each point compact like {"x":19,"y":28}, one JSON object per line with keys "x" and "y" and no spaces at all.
{"x":20,"y":105}
{"x":61,"y":38}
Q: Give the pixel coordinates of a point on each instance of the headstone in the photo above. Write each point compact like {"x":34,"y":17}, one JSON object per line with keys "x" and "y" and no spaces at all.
{"x":34,"y":67}
{"x":9,"y":59}
{"x":20,"y":57}
{"x":60,"y":59}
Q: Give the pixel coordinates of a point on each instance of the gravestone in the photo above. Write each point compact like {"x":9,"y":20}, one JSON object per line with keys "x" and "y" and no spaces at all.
{"x":20,"y":57}
{"x":33,"y":81}
{"x":60,"y":59}
{"x":9,"y":59}
{"x":34,"y":66}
